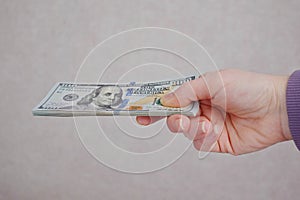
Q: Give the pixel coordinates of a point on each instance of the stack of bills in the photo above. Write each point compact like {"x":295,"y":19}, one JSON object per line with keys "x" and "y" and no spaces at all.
{"x":128,"y":99}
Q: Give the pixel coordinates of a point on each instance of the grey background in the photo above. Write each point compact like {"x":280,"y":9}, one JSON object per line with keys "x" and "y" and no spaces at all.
{"x":43,"y":42}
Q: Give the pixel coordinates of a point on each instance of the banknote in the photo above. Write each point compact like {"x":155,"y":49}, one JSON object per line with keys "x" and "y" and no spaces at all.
{"x":103,"y":99}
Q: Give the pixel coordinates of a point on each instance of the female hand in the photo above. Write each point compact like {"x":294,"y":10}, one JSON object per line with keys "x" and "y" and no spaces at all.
{"x":240,"y":112}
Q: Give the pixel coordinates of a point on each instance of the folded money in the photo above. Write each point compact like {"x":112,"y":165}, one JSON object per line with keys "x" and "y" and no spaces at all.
{"x":127,"y":99}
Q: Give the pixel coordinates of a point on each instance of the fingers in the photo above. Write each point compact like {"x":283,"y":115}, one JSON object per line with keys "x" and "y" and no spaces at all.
{"x":178,"y":123}
{"x":199,"y":129}
{"x":191,"y":127}
{"x":187,"y":93}
{"x":200,"y":146}
{"x":146,"y":120}
{"x":209,"y":142}
{"x":210,"y":86}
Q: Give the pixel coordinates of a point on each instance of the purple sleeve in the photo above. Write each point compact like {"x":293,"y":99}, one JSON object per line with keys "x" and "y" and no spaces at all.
{"x":293,"y":106}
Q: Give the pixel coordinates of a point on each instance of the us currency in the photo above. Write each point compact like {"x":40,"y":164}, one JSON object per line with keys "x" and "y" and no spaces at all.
{"x":126,"y":99}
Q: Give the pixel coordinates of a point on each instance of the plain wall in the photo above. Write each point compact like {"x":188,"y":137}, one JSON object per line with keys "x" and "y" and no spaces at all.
{"x":44,"y":42}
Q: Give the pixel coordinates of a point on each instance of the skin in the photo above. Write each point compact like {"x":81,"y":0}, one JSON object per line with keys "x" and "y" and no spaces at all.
{"x":240,"y":112}
{"x":108,"y":96}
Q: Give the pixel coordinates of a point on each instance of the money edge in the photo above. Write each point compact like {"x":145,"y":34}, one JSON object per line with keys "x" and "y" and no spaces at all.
{"x":37,"y":111}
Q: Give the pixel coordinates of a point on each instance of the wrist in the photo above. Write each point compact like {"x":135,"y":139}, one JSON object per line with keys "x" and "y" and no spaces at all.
{"x":281,"y":95}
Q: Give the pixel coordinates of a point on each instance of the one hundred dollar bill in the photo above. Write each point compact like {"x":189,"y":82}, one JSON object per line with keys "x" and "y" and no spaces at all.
{"x":134,"y":99}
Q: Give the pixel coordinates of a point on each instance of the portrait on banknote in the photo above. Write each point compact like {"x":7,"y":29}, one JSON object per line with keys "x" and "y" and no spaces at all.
{"x":105,"y":97}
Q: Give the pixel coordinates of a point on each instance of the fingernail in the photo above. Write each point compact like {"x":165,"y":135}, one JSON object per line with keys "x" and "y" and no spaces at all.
{"x":166,"y":99}
{"x":205,"y":127}
{"x":184,"y":124}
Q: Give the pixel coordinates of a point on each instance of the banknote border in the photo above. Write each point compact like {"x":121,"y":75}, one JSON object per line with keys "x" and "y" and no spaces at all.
{"x":40,"y":110}
{"x":46,"y":98}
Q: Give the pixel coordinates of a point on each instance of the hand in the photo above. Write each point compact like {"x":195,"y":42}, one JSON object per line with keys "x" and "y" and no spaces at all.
{"x":240,"y":112}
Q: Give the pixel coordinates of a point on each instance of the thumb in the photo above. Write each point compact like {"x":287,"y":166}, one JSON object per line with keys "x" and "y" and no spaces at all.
{"x":194,"y":90}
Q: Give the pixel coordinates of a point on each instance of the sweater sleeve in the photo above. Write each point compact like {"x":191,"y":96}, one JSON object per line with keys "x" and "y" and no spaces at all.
{"x":293,"y":106}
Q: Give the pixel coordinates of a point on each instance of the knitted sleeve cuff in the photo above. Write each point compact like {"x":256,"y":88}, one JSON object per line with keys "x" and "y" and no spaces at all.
{"x":293,"y":106}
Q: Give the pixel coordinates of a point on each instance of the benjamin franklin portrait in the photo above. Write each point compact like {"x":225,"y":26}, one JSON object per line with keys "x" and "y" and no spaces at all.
{"x":103,"y":97}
